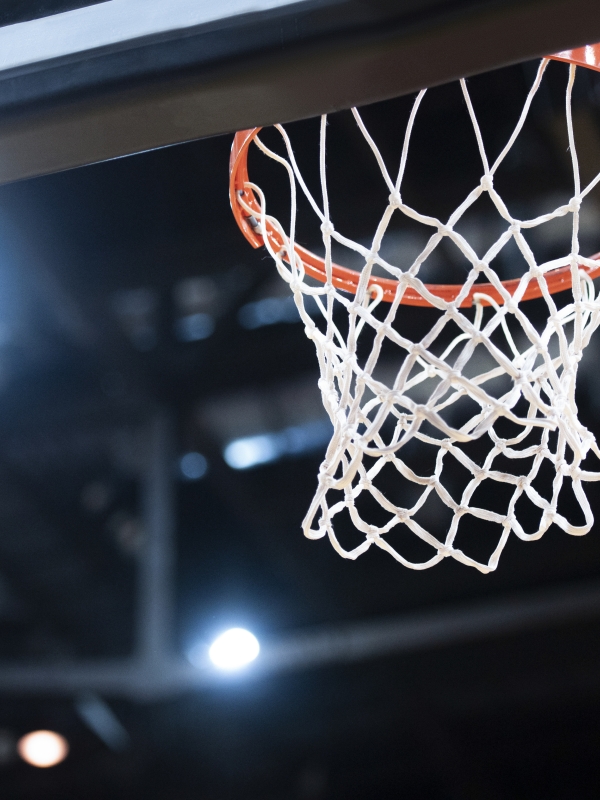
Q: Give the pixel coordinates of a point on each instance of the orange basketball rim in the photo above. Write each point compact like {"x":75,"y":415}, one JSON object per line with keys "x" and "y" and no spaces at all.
{"x":346,"y":279}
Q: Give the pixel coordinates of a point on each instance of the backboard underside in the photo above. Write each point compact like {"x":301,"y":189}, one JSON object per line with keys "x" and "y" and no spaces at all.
{"x":124,"y":76}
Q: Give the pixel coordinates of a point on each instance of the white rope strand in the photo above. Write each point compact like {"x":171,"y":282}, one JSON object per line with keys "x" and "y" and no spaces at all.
{"x":497,"y":381}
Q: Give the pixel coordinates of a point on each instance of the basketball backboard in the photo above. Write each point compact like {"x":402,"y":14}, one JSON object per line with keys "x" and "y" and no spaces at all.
{"x":106,"y":79}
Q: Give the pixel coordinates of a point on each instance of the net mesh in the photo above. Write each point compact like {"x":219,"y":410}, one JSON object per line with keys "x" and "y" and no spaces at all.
{"x":510,"y":384}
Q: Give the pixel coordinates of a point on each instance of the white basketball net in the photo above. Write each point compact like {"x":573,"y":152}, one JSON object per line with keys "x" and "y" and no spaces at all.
{"x":374,"y":420}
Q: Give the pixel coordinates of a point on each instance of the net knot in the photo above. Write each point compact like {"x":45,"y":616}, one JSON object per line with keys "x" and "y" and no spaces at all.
{"x":420,"y":411}
{"x":574,"y":204}
{"x":487,"y":183}
{"x":329,"y":394}
{"x":536,"y":272}
{"x":372,"y":533}
{"x":395,"y":200}
{"x":547,"y":518}
{"x":327,"y":480}
{"x":563,"y":467}
{"x":327,"y":228}
{"x":525,"y":376}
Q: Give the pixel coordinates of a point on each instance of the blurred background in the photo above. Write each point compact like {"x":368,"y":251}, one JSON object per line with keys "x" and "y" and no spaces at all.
{"x":160,"y":434}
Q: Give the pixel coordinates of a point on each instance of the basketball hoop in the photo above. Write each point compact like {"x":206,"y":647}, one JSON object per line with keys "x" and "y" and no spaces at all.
{"x":528,"y":382}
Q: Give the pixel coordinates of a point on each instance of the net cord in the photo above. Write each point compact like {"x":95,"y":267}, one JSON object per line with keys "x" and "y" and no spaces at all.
{"x":538,"y":369}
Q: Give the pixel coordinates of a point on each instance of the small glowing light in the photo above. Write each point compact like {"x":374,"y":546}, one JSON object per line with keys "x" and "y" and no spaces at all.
{"x":193,"y":466}
{"x":272,"y":310}
{"x":234,"y":649}
{"x":43,"y":748}
{"x":252,"y":450}
{"x":269,"y":311}
{"x":297,"y":440}
{"x":194,"y":327}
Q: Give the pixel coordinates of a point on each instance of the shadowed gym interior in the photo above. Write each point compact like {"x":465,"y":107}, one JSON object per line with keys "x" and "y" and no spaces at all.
{"x":160,"y":439}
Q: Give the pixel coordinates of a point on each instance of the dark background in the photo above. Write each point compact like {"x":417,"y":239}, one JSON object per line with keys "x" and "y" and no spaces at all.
{"x":93,"y":291}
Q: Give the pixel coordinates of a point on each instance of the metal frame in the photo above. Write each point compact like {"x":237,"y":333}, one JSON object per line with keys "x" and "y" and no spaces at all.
{"x":154,"y":671}
{"x":73,"y":93}
{"x":157,"y":674}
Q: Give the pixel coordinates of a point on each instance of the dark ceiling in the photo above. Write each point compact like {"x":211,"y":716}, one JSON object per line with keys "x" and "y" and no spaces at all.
{"x":100,"y":268}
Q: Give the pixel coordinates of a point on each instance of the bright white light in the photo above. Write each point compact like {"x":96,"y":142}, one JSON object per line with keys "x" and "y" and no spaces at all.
{"x":234,"y":649}
{"x":244,"y":453}
{"x":43,"y":748}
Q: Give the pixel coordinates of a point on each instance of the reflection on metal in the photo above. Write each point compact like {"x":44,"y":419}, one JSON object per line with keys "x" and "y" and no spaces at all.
{"x":157,"y":557}
{"x":100,"y":718}
{"x":112,"y":24}
{"x":427,"y":629}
